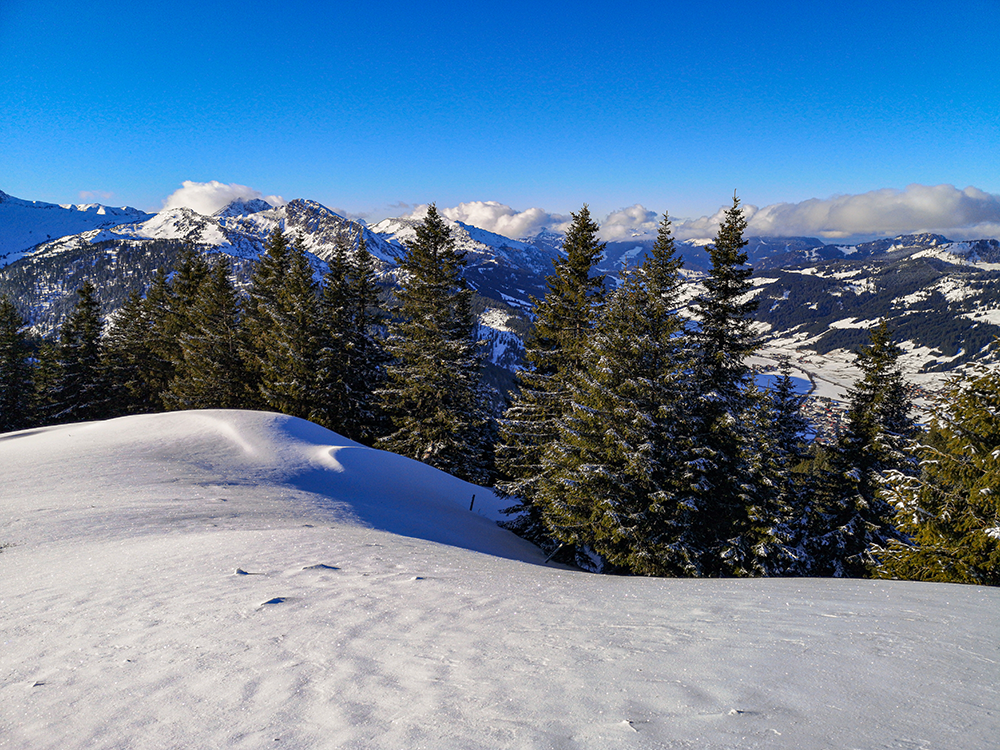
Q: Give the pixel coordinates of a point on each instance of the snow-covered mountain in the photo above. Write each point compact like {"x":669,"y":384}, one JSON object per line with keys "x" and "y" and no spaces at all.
{"x":816,"y":300}
{"x":124,"y":257}
{"x":240,"y":229}
{"x":226,"y":579}
{"x":496,"y":266}
{"x":24,"y":224}
{"x":936,"y":294}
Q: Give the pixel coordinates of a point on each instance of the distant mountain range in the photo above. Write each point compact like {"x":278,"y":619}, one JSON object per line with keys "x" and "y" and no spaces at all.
{"x":942,"y":297}
{"x":25,"y":224}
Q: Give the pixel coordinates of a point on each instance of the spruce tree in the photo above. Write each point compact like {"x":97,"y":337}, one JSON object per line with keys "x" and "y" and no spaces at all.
{"x":434,"y":391}
{"x":850,"y":517}
{"x":724,"y":497}
{"x":788,"y":428}
{"x":366,"y":372}
{"x":949,"y":513}
{"x":562,"y":322}
{"x":289,"y":360}
{"x":262,"y":310}
{"x":45,"y":377}
{"x":612,"y":477}
{"x":168,"y":305}
{"x":724,"y":314}
{"x":211,"y":374}
{"x":16,"y":388}
{"x":79,"y":393}
{"x":330,"y":406}
{"x":132,"y":367}
{"x":158,"y":357}
{"x":352,"y":359}
{"x":762,"y":542}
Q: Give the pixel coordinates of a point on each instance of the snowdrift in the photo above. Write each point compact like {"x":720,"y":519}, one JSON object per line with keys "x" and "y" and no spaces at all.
{"x":247,"y":580}
{"x":216,"y":466}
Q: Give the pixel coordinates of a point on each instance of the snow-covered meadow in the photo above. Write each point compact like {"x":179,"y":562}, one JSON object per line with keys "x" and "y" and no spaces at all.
{"x":247,"y":580}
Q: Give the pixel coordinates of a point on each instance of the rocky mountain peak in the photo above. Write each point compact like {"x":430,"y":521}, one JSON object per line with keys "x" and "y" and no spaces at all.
{"x":240,"y":207}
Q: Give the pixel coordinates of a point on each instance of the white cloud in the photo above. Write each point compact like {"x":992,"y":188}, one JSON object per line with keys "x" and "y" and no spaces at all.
{"x":500,"y":218}
{"x":943,"y":209}
{"x":960,"y":214}
{"x":208,"y":197}
{"x":418,"y":212}
{"x":632,"y":222}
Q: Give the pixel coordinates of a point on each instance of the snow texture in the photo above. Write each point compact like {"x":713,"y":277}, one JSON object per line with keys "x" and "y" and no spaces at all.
{"x":247,"y":580}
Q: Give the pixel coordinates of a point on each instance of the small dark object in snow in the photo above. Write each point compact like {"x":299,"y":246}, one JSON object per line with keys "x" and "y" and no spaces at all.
{"x":321,"y":566}
{"x":275,"y":600}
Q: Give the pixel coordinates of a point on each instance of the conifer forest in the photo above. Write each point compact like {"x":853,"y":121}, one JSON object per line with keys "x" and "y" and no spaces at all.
{"x":635,"y":440}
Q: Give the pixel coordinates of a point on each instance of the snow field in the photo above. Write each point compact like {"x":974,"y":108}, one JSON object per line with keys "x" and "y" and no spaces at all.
{"x":373,"y":610}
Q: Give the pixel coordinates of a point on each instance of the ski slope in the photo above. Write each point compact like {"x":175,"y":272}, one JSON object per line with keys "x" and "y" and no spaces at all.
{"x":248,"y":580}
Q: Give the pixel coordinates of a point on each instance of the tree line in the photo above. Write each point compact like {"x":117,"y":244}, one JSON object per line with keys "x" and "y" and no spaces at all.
{"x":635,"y":442}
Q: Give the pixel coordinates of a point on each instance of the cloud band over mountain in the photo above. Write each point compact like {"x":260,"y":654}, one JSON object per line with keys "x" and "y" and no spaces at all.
{"x":208,"y":197}
{"x":960,"y":214}
{"x":968,"y":213}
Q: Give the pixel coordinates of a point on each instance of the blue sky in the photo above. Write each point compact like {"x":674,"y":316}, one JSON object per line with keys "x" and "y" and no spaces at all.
{"x":373,"y":108}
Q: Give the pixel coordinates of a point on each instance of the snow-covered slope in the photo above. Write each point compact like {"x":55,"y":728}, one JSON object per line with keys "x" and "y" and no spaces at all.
{"x":477,"y":243}
{"x":245,"y":580}
{"x":981,"y":253}
{"x":24,"y":224}
{"x":239,"y":229}
{"x":496,"y":266}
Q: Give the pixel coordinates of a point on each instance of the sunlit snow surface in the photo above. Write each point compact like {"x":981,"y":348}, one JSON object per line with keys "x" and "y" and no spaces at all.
{"x":374,"y":610}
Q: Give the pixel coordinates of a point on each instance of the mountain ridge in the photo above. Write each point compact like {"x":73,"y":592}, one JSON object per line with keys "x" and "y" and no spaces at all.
{"x":25,"y":224}
{"x":942,"y":296}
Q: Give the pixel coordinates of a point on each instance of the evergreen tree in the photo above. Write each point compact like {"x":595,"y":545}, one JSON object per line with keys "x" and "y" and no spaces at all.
{"x":788,"y":429}
{"x":332,"y":366}
{"x":168,"y":305}
{"x":262,"y":310}
{"x":366,"y":372}
{"x":762,"y":544}
{"x":772,"y":494}
{"x":352,"y":359}
{"x":16,"y":388}
{"x":211,"y":374}
{"x":790,"y":426}
{"x":289,"y":361}
{"x":851,"y":518}
{"x":612,"y":477}
{"x":158,"y":356}
{"x":725,"y":498}
{"x":563,"y":320}
{"x":46,"y":377}
{"x":950,"y":512}
{"x":79,"y":393}
{"x":434,"y":392}
{"x":130,"y":363}
{"x":724,"y":313}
